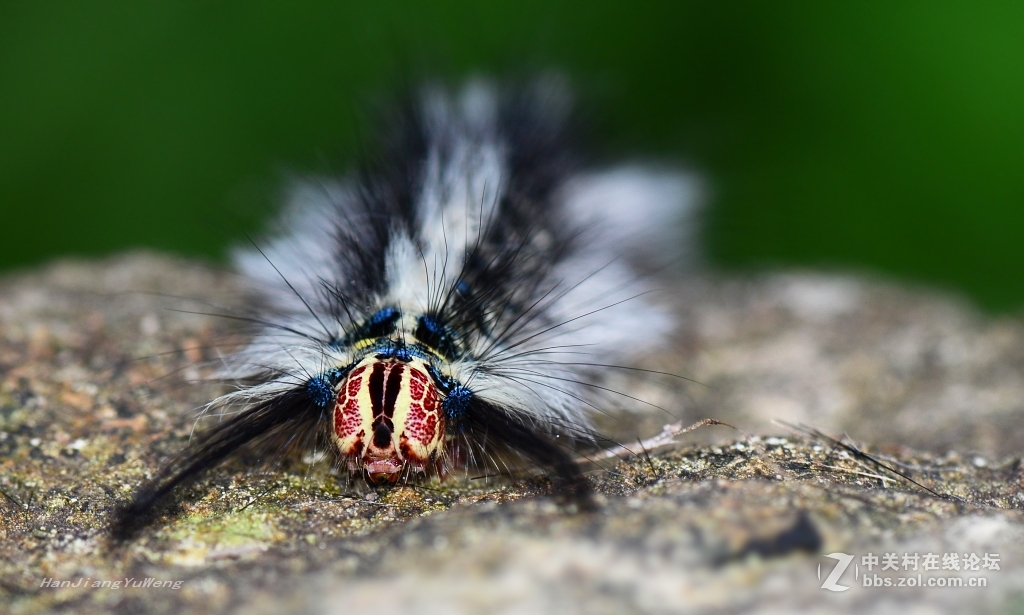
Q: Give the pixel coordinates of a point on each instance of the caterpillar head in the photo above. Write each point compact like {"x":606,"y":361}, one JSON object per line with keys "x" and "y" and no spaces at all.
{"x":387,"y":415}
{"x":391,"y":408}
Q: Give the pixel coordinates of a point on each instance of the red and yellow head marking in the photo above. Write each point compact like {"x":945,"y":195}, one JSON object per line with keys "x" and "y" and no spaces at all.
{"x":388,"y":415}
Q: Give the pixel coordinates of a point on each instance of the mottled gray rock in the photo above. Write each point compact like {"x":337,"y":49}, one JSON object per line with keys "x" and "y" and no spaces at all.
{"x":97,"y":363}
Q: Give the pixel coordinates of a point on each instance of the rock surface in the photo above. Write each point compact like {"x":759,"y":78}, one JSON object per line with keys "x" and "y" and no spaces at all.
{"x":97,"y":363}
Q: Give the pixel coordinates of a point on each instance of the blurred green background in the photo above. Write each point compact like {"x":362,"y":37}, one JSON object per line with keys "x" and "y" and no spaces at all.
{"x":884,"y":136}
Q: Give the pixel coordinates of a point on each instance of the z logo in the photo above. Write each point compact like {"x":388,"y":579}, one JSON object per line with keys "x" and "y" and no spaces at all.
{"x":831,"y":581}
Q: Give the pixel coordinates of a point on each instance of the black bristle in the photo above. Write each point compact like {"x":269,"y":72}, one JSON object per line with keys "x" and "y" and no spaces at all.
{"x":263,"y":425}
{"x":504,"y":431}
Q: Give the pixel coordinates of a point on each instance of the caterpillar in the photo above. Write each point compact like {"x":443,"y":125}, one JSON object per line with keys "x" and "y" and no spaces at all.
{"x":455,"y":300}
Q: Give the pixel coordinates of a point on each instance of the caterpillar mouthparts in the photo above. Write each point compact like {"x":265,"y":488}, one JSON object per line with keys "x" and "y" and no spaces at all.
{"x":455,"y":300}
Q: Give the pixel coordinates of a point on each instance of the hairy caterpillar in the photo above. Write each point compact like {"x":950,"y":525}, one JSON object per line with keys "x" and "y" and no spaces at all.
{"x":452,"y":303}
